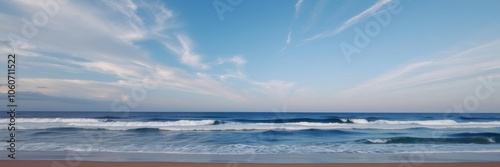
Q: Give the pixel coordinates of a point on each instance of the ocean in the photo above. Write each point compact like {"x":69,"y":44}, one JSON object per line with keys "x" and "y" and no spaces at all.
{"x":285,"y":134}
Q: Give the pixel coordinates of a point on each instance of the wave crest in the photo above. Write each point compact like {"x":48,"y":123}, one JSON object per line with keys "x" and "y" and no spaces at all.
{"x":220,"y":125}
{"x":53,"y":120}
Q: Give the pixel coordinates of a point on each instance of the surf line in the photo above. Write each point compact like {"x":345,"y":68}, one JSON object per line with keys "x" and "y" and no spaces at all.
{"x":11,"y":105}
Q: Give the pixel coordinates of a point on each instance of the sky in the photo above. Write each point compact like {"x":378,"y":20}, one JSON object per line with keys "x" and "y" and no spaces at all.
{"x":254,"y":55}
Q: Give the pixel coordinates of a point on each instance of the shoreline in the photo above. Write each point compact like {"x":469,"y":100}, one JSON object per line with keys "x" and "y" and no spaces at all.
{"x":414,"y":158}
{"x":47,"y":163}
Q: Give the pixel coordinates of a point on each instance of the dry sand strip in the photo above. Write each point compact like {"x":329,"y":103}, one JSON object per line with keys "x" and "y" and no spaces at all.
{"x":26,"y":163}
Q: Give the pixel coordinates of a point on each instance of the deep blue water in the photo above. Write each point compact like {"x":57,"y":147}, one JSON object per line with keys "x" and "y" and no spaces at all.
{"x":257,"y":133}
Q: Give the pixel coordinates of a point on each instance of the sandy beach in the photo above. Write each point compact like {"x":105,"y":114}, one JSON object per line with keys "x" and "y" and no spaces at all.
{"x":26,"y":163}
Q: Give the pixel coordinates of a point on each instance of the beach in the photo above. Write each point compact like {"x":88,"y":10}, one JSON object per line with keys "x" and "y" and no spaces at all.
{"x":24,"y":163}
{"x":260,"y":83}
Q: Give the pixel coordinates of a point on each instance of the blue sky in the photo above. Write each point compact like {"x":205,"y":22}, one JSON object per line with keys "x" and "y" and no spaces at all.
{"x":259,"y":55}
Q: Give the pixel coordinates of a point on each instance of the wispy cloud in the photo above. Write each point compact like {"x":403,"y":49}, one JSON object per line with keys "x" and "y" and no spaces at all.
{"x":352,"y":21}
{"x":102,"y":48}
{"x":126,"y":7}
{"x":469,"y":63}
{"x":288,"y":40}
{"x":432,"y":85}
{"x":104,"y":44}
{"x":183,"y":48}
{"x":237,"y":73}
{"x":298,"y":5}
{"x":318,"y":9}
{"x":122,"y":69}
{"x":75,"y":88}
{"x":238,"y":60}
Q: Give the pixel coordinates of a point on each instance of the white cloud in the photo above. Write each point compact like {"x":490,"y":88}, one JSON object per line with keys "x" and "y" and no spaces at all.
{"x":432,"y":85}
{"x":289,"y":37}
{"x":99,"y":43}
{"x":352,"y":21}
{"x":122,"y":69}
{"x":184,"y":49}
{"x":84,"y":89}
{"x":239,"y":61}
{"x":100,"y":46}
{"x":318,"y":9}
{"x":298,"y":5}
{"x":163,"y":20}
{"x":469,"y":63}
{"x":232,"y":74}
{"x":366,"y":13}
{"x":126,"y":7}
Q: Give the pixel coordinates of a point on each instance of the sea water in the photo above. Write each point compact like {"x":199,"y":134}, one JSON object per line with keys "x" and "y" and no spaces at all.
{"x":246,"y":136}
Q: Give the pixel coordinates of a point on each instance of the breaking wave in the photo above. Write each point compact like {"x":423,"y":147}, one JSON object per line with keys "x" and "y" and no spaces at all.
{"x":220,"y":125}
{"x":416,"y":140}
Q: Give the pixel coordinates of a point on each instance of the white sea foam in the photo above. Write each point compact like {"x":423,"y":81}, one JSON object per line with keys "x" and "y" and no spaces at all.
{"x":145,"y":124}
{"x":359,"y":121}
{"x":45,"y":123}
{"x":161,"y":147}
{"x":491,"y":139}
{"x":52,"y":120}
{"x":356,"y":121}
{"x":210,"y":125}
{"x":378,"y":141}
{"x":423,"y":122}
